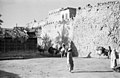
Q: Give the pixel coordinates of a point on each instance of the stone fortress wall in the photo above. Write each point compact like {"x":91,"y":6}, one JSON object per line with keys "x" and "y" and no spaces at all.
{"x":58,"y":25}
{"x":87,"y":27}
{"x":97,"y":25}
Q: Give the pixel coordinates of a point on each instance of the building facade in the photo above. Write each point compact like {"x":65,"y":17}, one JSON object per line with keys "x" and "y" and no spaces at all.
{"x":61,"y":14}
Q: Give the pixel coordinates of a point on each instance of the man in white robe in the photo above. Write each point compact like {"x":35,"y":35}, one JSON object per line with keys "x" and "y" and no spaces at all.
{"x":113,"y":59}
{"x":70,"y":63}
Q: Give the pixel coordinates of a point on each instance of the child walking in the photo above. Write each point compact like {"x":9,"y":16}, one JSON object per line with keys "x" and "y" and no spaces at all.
{"x":70,"y":63}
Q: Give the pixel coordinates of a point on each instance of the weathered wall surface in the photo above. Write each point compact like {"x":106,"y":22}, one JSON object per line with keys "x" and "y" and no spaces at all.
{"x":93,"y":26}
{"x":97,"y":26}
{"x":55,"y":17}
{"x":57,"y":33}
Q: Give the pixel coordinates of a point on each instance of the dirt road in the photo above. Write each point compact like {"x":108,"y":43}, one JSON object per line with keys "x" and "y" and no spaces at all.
{"x":56,"y":68}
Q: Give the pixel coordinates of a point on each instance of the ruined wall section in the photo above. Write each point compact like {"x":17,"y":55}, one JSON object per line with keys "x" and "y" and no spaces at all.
{"x":57,"y":33}
{"x":97,"y":26}
{"x":54,"y":16}
{"x":58,"y":27}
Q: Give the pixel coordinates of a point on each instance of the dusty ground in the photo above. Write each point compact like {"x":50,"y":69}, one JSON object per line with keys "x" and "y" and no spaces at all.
{"x":55,"y":67}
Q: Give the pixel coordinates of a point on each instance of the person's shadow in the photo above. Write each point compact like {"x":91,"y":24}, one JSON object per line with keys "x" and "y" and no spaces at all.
{"x":74,"y":49}
{"x":4,"y":74}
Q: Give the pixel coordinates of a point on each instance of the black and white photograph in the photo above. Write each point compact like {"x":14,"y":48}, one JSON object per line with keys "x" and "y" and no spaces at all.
{"x":59,"y":38}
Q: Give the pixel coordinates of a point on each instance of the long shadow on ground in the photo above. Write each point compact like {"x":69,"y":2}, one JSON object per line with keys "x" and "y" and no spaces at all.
{"x":91,"y":71}
{"x":4,"y":74}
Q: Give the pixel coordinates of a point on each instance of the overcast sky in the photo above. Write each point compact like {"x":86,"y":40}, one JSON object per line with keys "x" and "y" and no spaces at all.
{"x":25,"y":11}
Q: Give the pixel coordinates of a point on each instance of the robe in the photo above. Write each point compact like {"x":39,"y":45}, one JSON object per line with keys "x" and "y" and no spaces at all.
{"x":113,"y":59}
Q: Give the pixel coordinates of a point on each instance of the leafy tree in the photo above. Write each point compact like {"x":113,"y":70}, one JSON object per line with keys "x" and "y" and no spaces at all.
{"x":1,"y":21}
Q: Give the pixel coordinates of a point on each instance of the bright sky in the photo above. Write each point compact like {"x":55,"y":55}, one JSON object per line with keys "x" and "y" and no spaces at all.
{"x":25,"y":11}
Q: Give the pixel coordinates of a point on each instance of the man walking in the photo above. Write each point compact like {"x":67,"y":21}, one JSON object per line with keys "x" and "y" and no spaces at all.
{"x":113,"y":59}
{"x":70,"y":63}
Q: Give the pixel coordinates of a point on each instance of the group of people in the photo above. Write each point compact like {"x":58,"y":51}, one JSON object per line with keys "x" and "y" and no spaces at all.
{"x":70,"y":64}
{"x":113,"y":59}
